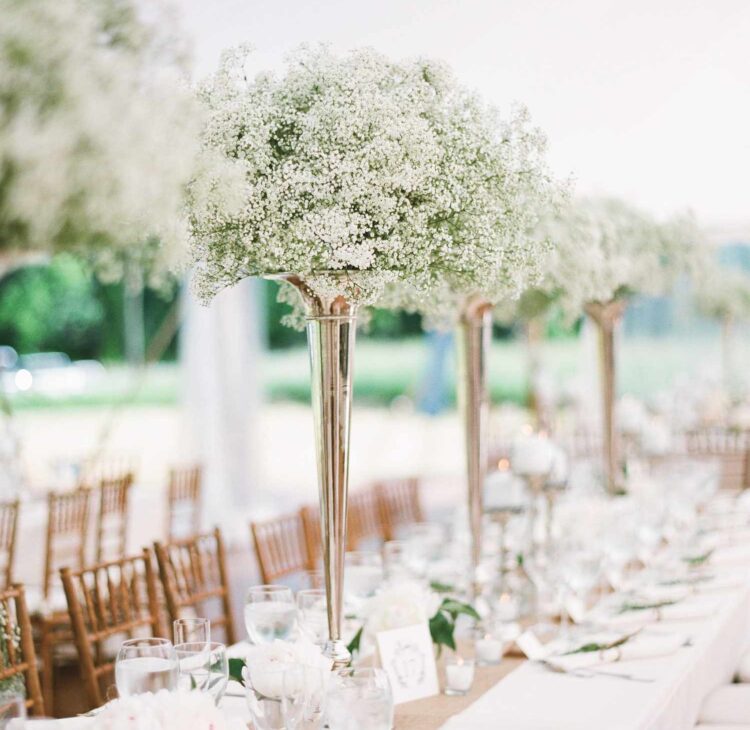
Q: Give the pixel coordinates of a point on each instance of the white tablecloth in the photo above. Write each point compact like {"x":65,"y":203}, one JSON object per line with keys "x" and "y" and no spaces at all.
{"x":534,"y":698}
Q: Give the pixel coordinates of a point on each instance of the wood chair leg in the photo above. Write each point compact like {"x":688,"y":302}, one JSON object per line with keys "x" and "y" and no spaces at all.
{"x":46,"y":654}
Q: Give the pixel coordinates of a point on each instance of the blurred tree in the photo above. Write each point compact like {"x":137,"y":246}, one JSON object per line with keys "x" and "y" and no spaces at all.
{"x":52,"y":307}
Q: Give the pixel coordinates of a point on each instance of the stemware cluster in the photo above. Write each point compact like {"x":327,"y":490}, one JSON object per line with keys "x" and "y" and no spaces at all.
{"x":192,"y":662}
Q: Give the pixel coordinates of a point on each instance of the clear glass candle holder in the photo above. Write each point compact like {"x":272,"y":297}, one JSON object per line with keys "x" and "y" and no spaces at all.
{"x":459,"y":676}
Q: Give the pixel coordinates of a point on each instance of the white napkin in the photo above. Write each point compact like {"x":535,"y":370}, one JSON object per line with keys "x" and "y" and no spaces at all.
{"x":639,"y":647}
{"x":728,"y":705}
{"x":691,"y":609}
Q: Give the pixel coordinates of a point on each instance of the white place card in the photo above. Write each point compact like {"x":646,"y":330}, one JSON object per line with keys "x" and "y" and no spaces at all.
{"x":407,"y":656}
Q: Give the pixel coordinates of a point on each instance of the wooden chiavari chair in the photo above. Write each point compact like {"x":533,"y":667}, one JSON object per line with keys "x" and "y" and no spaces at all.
{"x":184,"y":502}
{"x":364,"y":518}
{"x":731,"y":449}
{"x":106,"y":467}
{"x":194,"y":577}
{"x":17,"y":656}
{"x":310,"y":516}
{"x":112,"y":520}
{"x":109,"y":603}
{"x":67,"y":533}
{"x":399,"y":504}
{"x":281,"y":547}
{"x":8,"y":525}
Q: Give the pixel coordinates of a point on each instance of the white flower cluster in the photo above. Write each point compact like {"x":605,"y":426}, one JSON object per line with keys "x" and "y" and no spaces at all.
{"x":366,"y":165}
{"x":165,"y":711}
{"x":605,"y":249}
{"x":265,"y":664}
{"x":723,"y":293}
{"x":97,"y":136}
{"x":400,"y":604}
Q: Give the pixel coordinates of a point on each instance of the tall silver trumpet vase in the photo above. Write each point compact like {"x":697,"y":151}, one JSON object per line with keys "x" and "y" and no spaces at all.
{"x":473,"y":338}
{"x":331,"y":332}
{"x":606,"y":316}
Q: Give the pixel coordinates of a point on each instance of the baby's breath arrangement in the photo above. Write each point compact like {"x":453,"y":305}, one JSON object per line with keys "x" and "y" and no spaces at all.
{"x":97,"y":138}
{"x":389,"y":171}
{"x":606,"y":249}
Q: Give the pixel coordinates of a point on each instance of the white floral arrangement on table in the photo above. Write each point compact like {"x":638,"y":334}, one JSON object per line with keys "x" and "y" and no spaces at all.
{"x":260,"y":667}
{"x":605,"y":249}
{"x":165,"y":711}
{"x":407,"y":603}
{"x":723,"y":293}
{"x":98,"y":137}
{"x":388,"y":171}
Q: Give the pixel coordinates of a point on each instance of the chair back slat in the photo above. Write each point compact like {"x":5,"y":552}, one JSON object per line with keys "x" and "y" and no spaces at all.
{"x":67,"y":531}
{"x":184,"y":502}
{"x":112,"y":521}
{"x":400,"y":504}
{"x":281,"y":547}
{"x":109,"y":603}
{"x":18,"y":665}
{"x":8,"y":525}
{"x":729,"y":448}
{"x":364,"y":518}
{"x":194,"y":578}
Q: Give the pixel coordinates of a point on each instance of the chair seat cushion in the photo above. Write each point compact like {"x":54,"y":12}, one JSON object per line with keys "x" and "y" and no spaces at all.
{"x":727,"y":705}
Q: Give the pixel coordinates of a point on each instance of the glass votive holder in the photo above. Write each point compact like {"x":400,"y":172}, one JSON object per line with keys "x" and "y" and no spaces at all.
{"x":489,"y":648}
{"x":459,"y":676}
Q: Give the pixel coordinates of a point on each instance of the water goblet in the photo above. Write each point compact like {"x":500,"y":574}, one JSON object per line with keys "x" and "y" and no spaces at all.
{"x":360,"y":699}
{"x":145,"y":665}
{"x":203,"y":666}
{"x":12,"y":709}
{"x":270,"y":613}
{"x":363,"y":576}
{"x":192,"y":630}
{"x":312,"y":614}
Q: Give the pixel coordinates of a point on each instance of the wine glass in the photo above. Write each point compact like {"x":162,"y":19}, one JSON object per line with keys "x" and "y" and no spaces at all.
{"x":312,"y":614}
{"x":192,"y":630}
{"x":303,"y":696}
{"x":363,"y":575}
{"x":203,"y":666}
{"x":270,"y":613}
{"x":264,"y":693}
{"x":396,"y":560}
{"x":145,"y":665}
{"x":12,"y":710}
{"x":360,"y":699}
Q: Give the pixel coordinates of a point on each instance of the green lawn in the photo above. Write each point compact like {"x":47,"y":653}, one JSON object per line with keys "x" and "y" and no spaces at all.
{"x":387,"y":369}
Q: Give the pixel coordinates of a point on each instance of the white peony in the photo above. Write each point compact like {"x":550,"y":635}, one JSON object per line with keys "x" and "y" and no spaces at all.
{"x":265,"y":665}
{"x":631,"y":415}
{"x":165,"y":711}
{"x":399,"y":604}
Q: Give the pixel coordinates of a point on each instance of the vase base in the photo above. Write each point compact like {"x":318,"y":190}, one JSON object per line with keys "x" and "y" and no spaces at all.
{"x":337,"y":651}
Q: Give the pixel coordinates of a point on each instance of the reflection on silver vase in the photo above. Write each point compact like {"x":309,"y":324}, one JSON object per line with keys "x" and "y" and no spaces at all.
{"x":474,"y":334}
{"x":331,"y":330}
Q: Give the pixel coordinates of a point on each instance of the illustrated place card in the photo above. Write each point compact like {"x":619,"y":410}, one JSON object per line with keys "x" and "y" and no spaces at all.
{"x":407,"y":657}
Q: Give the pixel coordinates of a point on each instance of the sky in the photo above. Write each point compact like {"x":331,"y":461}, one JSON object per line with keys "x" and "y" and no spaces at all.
{"x":644,"y":99}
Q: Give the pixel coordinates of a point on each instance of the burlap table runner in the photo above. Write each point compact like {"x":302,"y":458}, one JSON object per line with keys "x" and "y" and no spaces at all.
{"x":431,"y":712}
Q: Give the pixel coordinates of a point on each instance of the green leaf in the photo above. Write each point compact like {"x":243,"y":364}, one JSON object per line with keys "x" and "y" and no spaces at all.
{"x":353,"y":645}
{"x":439,"y":587}
{"x":456,"y":608}
{"x":235,"y":670}
{"x":193,"y":683}
{"x":441,"y":630}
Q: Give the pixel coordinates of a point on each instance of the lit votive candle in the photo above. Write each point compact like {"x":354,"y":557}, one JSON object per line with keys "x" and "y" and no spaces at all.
{"x":459,"y":676}
{"x":489,"y":650}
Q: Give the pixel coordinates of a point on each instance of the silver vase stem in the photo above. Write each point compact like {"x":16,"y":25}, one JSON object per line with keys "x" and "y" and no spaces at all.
{"x":606,"y":317}
{"x":474,"y":335}
{"x":331,"y":332}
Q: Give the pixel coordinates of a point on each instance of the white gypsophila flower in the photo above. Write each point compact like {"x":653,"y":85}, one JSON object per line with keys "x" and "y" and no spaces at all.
{"x":165,"y":711}
{"x":605,"y":249}
{"x":98,"y":134}
{"x":361,"y":164}
{"x":399,"y":604}
{"x":722,"y":293}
